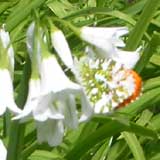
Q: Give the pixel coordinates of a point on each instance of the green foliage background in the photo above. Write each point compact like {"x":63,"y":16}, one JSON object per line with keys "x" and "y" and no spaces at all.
{"x":131,"y":133}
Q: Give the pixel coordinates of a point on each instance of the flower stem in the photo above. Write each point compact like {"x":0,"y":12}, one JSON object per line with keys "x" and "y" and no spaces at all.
{"x":16,"y":135}
{"x":142,"y":24}
{"x":76,"y":30}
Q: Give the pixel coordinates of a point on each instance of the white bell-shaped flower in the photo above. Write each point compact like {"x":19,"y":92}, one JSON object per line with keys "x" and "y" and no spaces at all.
{"x":104,"y":43}
{"x":52,"y":95}
{"x":6,"y":93}
{"x":104,"y":39}
{"x":55,"y":82}
{"x":6,"y":72}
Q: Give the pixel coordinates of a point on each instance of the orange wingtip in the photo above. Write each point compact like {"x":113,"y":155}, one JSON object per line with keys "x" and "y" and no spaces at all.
{"x":137,"y":91}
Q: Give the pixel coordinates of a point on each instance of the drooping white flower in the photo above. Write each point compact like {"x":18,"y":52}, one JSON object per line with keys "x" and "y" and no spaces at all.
{"x":61,"y":46}
{"x":104,"y":43}
{"x":51,"y":102}
{"x":6,"y":71}
{"x":104,"y":39}
{"x":54,"y":81}
{"x":6,"y":93}
{"x":3,"y":151}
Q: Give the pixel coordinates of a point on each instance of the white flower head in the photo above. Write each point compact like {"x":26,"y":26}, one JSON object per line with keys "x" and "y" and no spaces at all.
{"x":61,"y":46}
{"x":3,"y":151}
{"x":6,"y":93}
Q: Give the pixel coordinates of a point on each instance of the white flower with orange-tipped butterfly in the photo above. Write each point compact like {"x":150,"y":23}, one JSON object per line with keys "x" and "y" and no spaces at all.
{"x":105,"y":72}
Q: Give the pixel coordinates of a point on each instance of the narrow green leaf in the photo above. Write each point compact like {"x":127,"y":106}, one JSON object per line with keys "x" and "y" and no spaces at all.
{"x":154,"y":123}
{"x":146,"y":100}
{"x":142,"y":24}
{"x":155,"y":59}
{"x":21,"y":13}
{"x":135,"y":8}
{"x":110,"y":128}
{"x":103,"y":132}
{"x":151,"y":84}
{"x":119,"y":150}
{"x":129,"y":125}
{"x":144,"y":118}
{"x":148,"y":52}
{"x":134,"y":145}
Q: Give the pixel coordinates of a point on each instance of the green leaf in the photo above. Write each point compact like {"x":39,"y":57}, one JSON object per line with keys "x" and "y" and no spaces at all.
{"x":148,"y":52}
{"x":134,"y":145}
{"x":142,"y":24}
{"x":102,"y":151}
{"x":155,"y":59}
{"x":61,"y":8}
{"x":119,"y":150}
{"x":44,"y":155}
{"x":103,"y":132}
{"x":111,"y":127}
{"x":21,"y":12}
{"x":146,"y":100}
{"x":151,"y":84}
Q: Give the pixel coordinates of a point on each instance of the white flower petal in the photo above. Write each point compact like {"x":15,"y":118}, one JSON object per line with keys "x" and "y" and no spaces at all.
{"x":54,"y":79}
{"x":61,"y":46}
{"x":128,"y":59}
{"x":105,"y":40}
{"x":50,"y":131}
{"x":105,"y":51}
{"x":4,"y":36}
{"x":3,"y":151}
{"x":45,"y":109}
{"x":32,"y":100}
{"x":30,"y":42}
{"x":30,"y":39}
{"x":90,"y":33}
{"x":70,"y":113}
{"x":87,"y":111}
{"x":6,"y":92}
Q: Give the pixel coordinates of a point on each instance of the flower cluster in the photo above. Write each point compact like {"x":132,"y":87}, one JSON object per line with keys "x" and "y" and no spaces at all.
{"x":104,"y":79}
{"x":52,"y":95}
